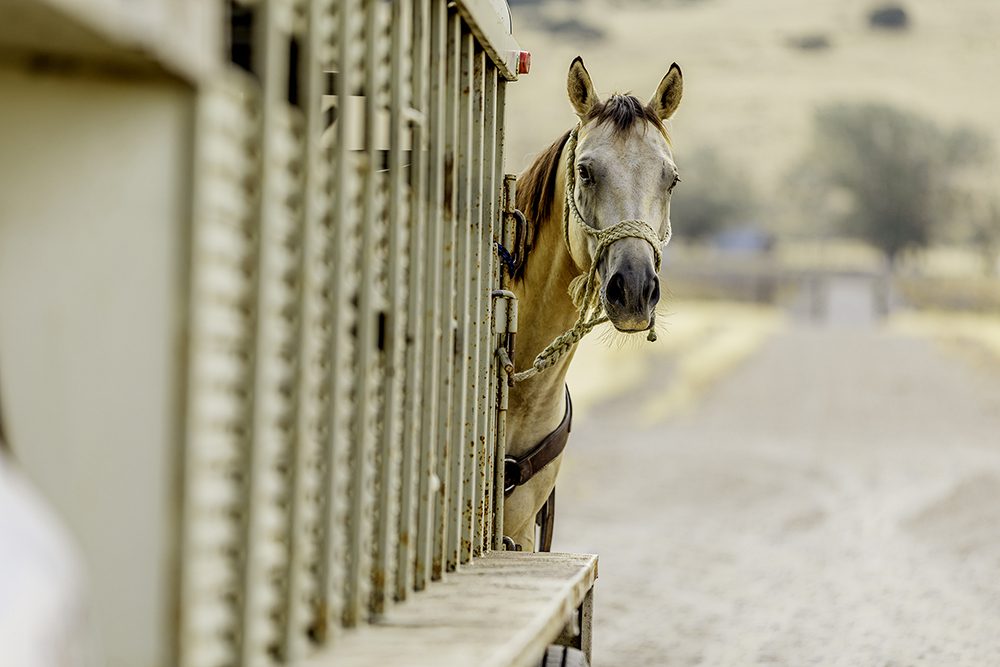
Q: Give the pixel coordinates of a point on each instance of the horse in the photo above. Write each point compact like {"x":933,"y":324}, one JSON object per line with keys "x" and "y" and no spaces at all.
{"x":596,"y":207}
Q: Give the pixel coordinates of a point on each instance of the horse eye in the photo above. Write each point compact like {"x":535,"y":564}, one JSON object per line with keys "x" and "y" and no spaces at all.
{"x":677,"y":179}
{"x":584,"y":172}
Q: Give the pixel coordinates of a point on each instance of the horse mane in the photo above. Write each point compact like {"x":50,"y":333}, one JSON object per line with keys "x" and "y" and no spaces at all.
{"x":536,"y":189}
{"x":536,"y":193}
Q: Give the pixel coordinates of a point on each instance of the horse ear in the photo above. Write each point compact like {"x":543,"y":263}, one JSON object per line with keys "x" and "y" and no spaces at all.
{"x":580,"y":88}
{"x":668,"y":94}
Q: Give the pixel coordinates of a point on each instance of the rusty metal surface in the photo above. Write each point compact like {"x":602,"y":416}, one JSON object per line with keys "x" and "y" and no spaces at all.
{"x":266,"y":493}
{"x":392,"y":322}
{"x":345,"y":246}
{"x":501,"y":610}
{"x":429,"y":446}
{"x":416,"y":330}
{"x":479,"y":292}
{"x":219,"y":370}
{"x":336,"y":184}
{"x":463,"y":456}
{"x":345,"y":401}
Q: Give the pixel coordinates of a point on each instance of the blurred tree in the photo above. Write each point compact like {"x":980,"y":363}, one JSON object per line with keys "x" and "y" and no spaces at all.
{"x":712,"y":196}
{"x":985,"y":221}
{"x":889,"y":17}
{"x":896,"y":169}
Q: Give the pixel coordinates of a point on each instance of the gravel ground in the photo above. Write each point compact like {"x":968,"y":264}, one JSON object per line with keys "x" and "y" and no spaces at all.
{"x":833,"y":501}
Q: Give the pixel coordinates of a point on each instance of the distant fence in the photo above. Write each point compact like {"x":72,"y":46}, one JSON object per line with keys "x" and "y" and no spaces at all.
{"x":762,"y":278}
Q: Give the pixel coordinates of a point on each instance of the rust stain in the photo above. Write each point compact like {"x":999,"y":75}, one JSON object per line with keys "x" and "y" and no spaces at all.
{"x":449,"y":184}
{"x":321,"y":621}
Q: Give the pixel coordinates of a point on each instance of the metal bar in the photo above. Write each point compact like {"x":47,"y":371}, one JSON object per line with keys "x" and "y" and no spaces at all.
{"x":344,"y":226}
{"x":415,"y":330}
{"x":395,"y":317}
{"x":433,"y":334}
{"x":463,"y":504}
{"x":304,"y":593}
{"x":363,"y":443}
{"x":487,"y":379}
{"x":273,"y":424}
{"x":476,"y":431}
{"x":506,"y":190}
{"x":447,"y":344}
{"x":226,"y":187}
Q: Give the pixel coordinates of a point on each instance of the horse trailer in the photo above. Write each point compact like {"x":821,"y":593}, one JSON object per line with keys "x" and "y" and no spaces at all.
{"x":251,"y":313}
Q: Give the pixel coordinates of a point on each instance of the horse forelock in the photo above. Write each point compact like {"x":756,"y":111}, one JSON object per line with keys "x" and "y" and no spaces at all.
{"x":624,"y":111}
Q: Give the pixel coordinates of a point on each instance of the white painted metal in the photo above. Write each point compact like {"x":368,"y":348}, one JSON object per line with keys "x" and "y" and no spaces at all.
{"x":462,"y":504}
{"x":347,"y":196}
{"x":392,"y":330}
{"x":504,"y":199}
{"x":490,"y":21}
{"x":183,"y":37}
{"x":269,"y":459}
{"x":487,"y":379}
{"x":429,"y":482}
{"x":480,"y":284}
{"x":94,"y":222}
{"x":368,"y":371}
{"x":315,"y":341}
{"x":501,"y":610}
{"x":415,"y":320}
{"x":444,"y":505}
{"x":318,"y":367}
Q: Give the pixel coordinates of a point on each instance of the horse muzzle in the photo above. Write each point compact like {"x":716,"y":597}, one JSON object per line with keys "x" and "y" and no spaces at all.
{"x":630,"y":294}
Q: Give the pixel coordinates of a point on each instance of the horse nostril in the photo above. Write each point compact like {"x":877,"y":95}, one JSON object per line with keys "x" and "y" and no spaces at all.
{"x":615,"y":292}
{"x":652,"y":292}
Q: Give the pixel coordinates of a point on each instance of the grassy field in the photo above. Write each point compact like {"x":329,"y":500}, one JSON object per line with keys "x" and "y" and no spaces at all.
{"x":748,"y":91}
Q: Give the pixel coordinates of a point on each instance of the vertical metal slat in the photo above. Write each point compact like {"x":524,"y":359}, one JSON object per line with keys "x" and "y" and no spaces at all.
{"x":304,"y":589}
{"x":344,"y":224}
{"x":500,"y":419}
{"x":433,"y":334}
{"x":462,"y":492}
{"x":474,"y":430}
{"x":366,"y":377}
{"x":415,"y":330}
{"x":487,"y":379}
{"x":395,"y":317}
{"x":274,"y":385}
{"x":219,"y":370}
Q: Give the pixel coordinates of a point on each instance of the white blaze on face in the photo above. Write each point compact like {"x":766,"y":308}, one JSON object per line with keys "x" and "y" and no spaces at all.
{"x":625,"y":176}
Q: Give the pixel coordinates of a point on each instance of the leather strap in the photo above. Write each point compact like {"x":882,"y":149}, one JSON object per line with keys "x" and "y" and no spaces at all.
{"x":518,"y":471}
{"x":546,"y":522}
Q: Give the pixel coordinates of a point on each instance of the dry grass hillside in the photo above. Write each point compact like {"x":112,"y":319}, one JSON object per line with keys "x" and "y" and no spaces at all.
{"x":750,"y":86}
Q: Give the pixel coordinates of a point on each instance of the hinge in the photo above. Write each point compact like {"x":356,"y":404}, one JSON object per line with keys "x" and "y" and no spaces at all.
{"x":505,"y":327}
{"x":513,"y":229}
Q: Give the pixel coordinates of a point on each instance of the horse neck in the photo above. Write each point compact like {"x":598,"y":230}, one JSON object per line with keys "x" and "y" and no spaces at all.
{"x":545,"y":310}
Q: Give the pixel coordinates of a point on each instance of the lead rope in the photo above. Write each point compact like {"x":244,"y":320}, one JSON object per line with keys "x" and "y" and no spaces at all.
{"x":585,"y":289}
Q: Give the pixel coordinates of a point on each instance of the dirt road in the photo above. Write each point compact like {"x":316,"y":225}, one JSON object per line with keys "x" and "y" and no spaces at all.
{"x":834,"y":501}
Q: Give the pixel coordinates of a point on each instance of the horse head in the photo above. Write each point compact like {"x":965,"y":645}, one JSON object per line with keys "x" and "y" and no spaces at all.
{"x":622,"y":171}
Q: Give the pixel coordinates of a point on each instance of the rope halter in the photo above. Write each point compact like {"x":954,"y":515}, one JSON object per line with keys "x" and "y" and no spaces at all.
{"x":585,"y":289}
